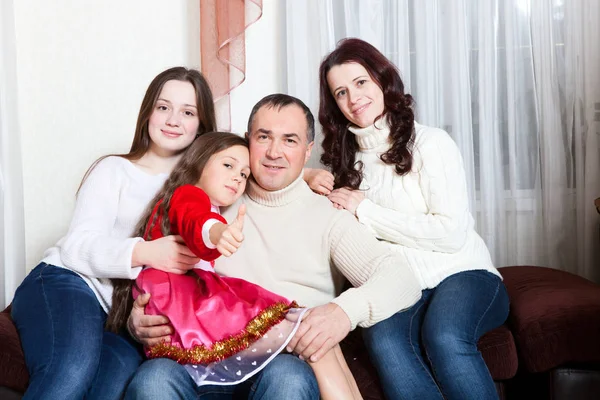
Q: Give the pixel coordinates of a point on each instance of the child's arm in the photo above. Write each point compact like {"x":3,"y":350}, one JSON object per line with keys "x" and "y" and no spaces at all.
{"x":189,"y":210}
{"x":228,"y":238}
{"x":334,"y":377}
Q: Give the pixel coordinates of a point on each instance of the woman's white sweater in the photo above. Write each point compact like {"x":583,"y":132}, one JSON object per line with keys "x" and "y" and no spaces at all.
{"x":98,"y":245}
{"x":423,"y":215}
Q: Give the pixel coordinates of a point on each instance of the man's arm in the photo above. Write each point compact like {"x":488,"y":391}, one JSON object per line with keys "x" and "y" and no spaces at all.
{"x":384,"y":284}
{"x":147,"y":329}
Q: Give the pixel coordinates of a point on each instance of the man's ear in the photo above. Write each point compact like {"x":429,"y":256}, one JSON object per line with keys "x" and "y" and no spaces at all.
{"x":247,"y":136}
{"x":308,"y":151}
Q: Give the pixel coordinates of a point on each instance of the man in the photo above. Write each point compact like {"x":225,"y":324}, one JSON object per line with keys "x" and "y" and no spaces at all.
{"x":296,"y":245}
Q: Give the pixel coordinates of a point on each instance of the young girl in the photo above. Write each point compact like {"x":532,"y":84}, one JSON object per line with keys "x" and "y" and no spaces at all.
{"x":60,"y":308}
{"x":406,"y":183}
{"x":225,"y":329}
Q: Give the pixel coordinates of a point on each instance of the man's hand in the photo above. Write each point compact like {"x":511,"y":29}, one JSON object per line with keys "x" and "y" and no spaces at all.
{"x":228,"y":238}
{"x":319,"y":180}
{"x":346,"y":198}
{"x":169,"y":254}
{"x":321,"y":329}
{"x":147,"y":329}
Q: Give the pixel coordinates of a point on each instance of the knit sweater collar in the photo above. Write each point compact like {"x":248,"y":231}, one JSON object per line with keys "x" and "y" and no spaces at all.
{"x":282,"y":197}
{"x":373,"y":136}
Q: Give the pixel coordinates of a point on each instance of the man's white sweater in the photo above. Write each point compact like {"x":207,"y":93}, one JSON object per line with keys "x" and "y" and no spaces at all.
{"x":424,"y":215}
{"x":297,"y":245}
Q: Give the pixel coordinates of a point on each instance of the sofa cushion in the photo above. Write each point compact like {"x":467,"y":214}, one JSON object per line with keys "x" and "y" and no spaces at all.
{"x":554,"y":316}
{"x":499,"y":353}
{"x":13,"y":372}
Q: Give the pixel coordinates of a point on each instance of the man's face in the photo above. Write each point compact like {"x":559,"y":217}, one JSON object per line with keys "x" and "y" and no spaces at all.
{"x":279,"y":146}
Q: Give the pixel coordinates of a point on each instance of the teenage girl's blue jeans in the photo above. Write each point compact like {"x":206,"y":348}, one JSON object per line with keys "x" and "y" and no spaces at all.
{"x":430,"y":350}
{"x":67,"y":352}
{"x":285,"y":378}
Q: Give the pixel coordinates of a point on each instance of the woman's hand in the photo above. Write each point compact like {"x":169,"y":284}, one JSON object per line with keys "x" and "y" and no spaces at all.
{"x":345,"y":198}
{"x":169,"y":254}
{"x":319,"y":180}
{"x":228,"y":238}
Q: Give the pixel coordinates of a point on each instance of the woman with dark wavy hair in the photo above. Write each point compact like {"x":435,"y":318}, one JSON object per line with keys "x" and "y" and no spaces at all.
{"x":406,"y":183}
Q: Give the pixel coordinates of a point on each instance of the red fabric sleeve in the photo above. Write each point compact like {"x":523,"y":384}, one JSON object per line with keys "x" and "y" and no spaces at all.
{"x":188,"y":212}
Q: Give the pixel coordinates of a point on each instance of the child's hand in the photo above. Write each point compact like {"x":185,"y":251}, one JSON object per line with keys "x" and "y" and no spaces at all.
{"x":319,"y":180}
{"x":231,"y":236}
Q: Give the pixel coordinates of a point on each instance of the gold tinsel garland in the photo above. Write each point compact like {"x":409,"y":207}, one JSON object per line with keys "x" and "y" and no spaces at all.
{"x":200,"y":354}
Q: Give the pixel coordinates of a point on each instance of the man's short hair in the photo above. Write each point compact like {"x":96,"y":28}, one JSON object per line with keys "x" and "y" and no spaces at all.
{"x":280,"y":100}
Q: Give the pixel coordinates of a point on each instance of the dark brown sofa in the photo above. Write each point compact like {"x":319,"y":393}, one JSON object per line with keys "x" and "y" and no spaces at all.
{"x":549,"y":348}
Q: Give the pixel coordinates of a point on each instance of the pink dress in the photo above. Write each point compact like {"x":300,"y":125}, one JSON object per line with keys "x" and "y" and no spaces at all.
{"x":225,"y":329}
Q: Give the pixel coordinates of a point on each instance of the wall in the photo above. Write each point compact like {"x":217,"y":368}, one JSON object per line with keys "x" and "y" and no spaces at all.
{"x":82,"y":71}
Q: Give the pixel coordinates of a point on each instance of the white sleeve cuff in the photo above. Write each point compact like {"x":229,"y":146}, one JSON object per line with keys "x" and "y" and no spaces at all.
{"x":206,"y":233}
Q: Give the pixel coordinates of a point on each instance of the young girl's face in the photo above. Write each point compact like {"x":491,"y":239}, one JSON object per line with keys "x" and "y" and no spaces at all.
{"x":225,"y":175}
{"x":174,"y":121}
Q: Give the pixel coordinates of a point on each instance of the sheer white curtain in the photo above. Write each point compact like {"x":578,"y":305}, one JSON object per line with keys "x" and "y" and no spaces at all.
{"x":516,"y":84}
{"x":12,"y":234}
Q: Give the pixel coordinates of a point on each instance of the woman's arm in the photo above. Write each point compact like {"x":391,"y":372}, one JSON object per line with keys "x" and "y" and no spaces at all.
{"x":89,"y":248}
{"x":443,"y":185}
{"x":319,"y":180}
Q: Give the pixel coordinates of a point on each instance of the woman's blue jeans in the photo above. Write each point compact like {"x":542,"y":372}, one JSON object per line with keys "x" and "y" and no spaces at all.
{"x":430,"y":350}
{"x":67,"y":352}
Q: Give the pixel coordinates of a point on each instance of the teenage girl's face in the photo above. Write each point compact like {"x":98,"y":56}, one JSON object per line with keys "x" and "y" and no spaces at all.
{"x":225,"y":175}
{"x":174,"y":120}
{"x":357,"y":95}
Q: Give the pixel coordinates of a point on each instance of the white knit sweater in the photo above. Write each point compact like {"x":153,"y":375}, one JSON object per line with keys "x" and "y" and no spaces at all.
{"x":297,"y":244}
{"x":424,"y":215}
{"x":98,"y":244}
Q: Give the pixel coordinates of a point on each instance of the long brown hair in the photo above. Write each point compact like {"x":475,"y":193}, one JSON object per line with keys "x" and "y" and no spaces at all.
{"x":141,"y":139}
{"x":339,"y":145}
{"x":187,"y":171}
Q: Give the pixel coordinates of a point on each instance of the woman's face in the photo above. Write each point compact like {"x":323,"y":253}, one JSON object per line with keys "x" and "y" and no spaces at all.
{"x":174,"y":121}
{"x":357,"y":95}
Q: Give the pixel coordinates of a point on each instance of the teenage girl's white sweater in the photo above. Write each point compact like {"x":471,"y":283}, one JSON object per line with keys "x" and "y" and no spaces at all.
{"x":98,"y":245}
{"x":424,"y":215}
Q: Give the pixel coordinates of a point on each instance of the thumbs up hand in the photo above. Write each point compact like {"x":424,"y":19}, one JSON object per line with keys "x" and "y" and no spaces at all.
{"x":228,"y":238}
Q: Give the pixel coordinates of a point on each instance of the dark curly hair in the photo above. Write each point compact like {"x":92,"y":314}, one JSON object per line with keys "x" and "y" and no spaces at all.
{"x":339,"y":145}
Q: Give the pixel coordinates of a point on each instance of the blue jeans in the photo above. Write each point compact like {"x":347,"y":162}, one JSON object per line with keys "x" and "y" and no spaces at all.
{"x":430,"y":350}
{"x":67,"y":352}
{"x":286,"y":377}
